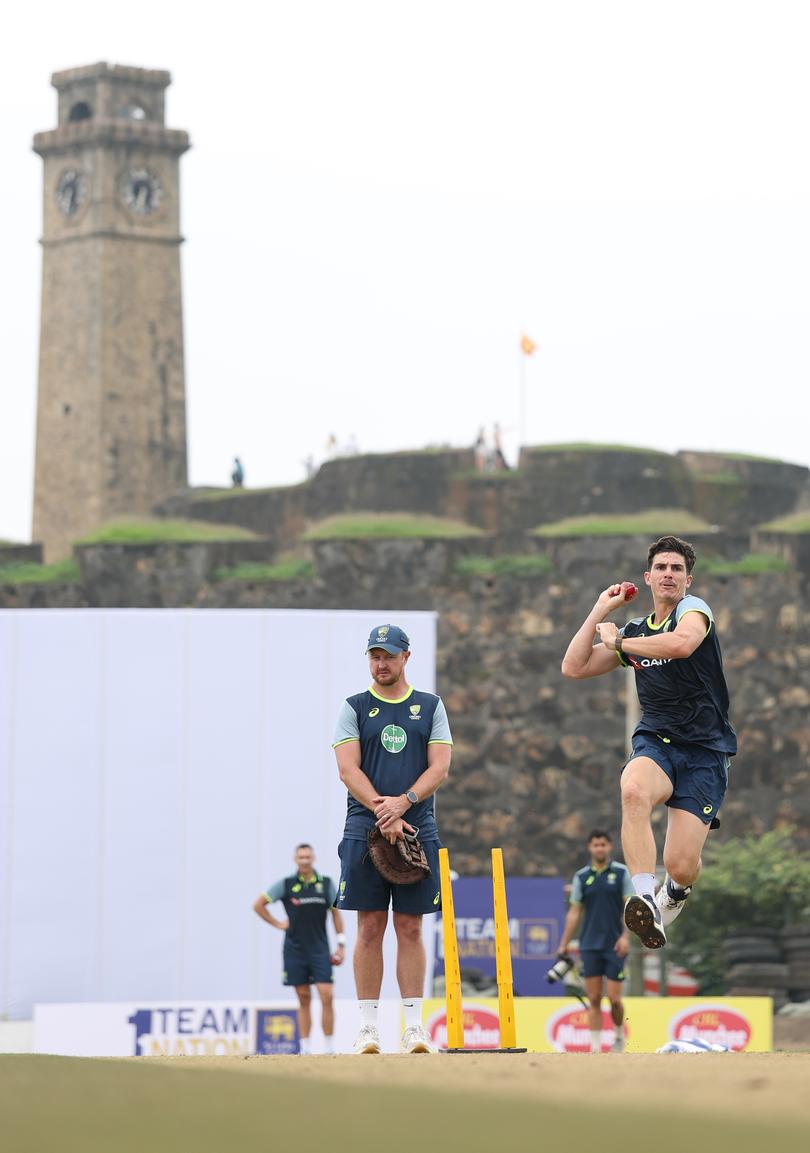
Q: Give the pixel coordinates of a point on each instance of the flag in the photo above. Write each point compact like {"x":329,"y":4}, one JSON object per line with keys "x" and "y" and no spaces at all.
{"x":527,"y":346}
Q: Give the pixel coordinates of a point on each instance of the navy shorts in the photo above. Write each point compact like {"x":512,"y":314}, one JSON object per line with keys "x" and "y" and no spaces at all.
{"x":601,"y":963}
{"x":699,"y":775}
{"x":306,"y":968}
{"x":361,"y":887}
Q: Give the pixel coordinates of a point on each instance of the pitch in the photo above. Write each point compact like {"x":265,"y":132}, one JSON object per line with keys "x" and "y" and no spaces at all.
{"x":480,"y":1103}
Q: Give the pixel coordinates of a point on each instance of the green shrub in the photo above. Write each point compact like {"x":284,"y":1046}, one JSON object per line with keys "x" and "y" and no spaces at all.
{"x":391,"y":525}
{"x":751,"y":564}
{"x":795,"y":522}
{"x":515,"y":565}
{"x":255,"y":572}
{"x":748,"y":882}
{"x":651,"y":522}
{"x":160,"y":531}
{"x":29,"y":573}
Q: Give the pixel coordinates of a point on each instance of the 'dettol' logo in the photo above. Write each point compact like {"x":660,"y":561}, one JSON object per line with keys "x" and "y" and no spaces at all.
{"x":717,"y":1024}
{"x":393,"y":738}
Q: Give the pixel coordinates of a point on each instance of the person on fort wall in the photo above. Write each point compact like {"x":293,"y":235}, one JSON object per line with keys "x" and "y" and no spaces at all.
{"x":598,"y":893}
{"x":393,"y":748}
{"x":684,"y":741}
{"x":307,"y":897}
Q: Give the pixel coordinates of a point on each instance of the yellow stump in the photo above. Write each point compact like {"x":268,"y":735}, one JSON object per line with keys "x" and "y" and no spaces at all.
{"x":452,"y":974}
{"x":503,"y":954}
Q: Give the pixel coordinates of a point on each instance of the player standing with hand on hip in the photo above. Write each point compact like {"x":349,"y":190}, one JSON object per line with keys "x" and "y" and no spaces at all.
{"x":684,"y":740}
{"x":307,"y":897}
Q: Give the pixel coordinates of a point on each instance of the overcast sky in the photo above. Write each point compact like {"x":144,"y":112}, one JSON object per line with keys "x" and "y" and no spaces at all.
{"x":381,"y":197}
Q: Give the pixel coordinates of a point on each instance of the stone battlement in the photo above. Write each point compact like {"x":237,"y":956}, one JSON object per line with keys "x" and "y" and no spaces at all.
{"x":733,"y":494}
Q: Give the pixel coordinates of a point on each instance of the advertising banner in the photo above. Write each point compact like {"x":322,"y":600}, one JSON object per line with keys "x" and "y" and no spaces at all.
{"x":536,"y":907}
{"x":560,"y":1024}
{"x":198,"y":1028}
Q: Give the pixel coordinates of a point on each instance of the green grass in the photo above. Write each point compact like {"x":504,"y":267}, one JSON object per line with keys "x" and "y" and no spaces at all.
{"x":158,"y":531}
{"x":510,"y":565}
{"x":748,"y":456}
{"x":255,"y":572}
{"x":390,"y":525}
{"x":721,"y":478}
{"x":30,"y":573}
{"x":651,"y":522}
{"x":585,"y":446}
{"x":795,"y":522}
{"x":751,"y":564}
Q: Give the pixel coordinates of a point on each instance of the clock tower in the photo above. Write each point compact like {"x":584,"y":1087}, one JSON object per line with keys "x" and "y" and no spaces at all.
{"x":111,"y":411}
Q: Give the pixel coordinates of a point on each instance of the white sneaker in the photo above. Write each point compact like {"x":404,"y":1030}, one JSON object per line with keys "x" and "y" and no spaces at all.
{"x":618,"y":1043}
{"x":668,"y":907}
{"x":416,"y":1040}
{"x":368,"y":1040}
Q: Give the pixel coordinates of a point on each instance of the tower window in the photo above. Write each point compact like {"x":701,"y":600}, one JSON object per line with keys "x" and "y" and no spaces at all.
{"x":81,"y":111}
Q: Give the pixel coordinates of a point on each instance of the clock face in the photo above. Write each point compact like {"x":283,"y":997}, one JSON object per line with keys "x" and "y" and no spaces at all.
{"x":141,"y":191}
{"x":71,"y":191}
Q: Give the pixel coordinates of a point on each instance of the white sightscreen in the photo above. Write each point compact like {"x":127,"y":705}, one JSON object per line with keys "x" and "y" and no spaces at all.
{"x":157,"y":769}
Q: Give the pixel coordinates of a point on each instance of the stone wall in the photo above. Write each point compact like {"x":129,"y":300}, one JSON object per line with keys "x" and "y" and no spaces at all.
{"x":20,"y":553}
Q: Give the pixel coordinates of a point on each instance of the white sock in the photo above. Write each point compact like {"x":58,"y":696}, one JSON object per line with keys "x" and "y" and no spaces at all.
{"x":618,"y":1038}
{"x":368,"y":1013}
{"x":328,"y":1044}
{"x":304,"y":1046}
{"x":644,"y":884}
{"x":412,"y":1008}
{"x":596,"y":1040}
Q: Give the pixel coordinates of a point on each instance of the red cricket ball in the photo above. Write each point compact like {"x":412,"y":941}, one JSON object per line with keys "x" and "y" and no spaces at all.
{"x":629,"y":590}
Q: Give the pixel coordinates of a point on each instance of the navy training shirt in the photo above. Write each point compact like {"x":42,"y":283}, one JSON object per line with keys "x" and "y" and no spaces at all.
{"x":306,"y":904}
{"x":602,"y":893}
{"x":685,"y":700}
{"x":394,"y":738}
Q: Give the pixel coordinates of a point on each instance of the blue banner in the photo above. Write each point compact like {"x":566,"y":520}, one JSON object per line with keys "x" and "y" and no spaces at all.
{"x":536,"y":909}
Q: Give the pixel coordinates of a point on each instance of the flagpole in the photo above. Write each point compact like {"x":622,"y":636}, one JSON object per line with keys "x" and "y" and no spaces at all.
{"x":522,"y":433}
{"x":527,"y":348}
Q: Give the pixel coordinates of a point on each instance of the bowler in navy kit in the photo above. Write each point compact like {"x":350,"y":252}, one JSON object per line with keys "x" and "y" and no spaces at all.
{"x":684,"y":741}
{"x":598,"y":893}
{"x":393,"y":748}
{"x":308,"y":897}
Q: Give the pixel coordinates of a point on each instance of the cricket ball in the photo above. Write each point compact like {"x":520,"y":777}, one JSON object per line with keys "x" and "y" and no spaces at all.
{"x":629,"y":590}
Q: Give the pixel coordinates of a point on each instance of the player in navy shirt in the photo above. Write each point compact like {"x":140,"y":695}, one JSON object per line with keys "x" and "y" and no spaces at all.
{"x":393,"y":747}
{"x":307,"y":897}
{"x":598,"y":893}
{"x":683,"y":744}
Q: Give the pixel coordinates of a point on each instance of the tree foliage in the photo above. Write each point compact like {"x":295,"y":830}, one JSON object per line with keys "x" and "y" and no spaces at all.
{"x":749,"y":883}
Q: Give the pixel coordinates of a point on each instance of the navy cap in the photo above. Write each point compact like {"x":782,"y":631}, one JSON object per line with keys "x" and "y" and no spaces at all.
{"x":389,"y":637}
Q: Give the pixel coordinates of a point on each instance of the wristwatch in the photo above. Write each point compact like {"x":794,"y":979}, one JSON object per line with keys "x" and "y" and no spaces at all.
{"x":412,"y":797}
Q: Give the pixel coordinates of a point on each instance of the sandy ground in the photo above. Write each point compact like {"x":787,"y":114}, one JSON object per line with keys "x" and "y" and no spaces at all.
{"x":474,"y":1103}
{"x":738,"y":1085}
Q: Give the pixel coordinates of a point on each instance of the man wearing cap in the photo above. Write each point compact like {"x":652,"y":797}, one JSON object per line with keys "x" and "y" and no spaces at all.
{"x":393,"y":748}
